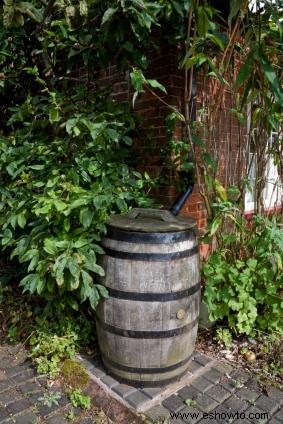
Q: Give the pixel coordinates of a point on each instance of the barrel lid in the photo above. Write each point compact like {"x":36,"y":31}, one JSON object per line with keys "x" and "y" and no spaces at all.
{"x":150,"y":221}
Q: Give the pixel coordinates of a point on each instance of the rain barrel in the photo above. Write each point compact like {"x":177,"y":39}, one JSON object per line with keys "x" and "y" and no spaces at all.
{"x":147,"y":327}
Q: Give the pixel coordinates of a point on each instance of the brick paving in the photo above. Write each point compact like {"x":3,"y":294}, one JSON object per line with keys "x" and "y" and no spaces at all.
{"x":24,"y":395}
{"x":211,"y":392}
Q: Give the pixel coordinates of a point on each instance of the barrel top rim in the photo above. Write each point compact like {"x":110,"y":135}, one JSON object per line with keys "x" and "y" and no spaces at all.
{"x":131,"y":222}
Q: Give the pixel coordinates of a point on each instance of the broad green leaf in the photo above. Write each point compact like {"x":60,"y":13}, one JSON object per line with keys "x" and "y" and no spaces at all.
{"x":81,"y":242}
{"x":93,"y":298}
{"x":28,"y":255}
{"x":73,"y":267}
{"x":30,"y":283}
{"x":109,"y":13}
{"x":102,"y":290}
{"x":74,"y":282}
{"x":22,"y":220}
{"x":72,"y":303}
{"x":86,"y":217}
{"x":155,"y":84}
{"x":60,"y":205}
{"x":50,"y":246}
{"x":58,"y":268}
{"x":40,"y":285}
{"x":54,"y":115}
{"x":95,"y":268}
{"x":37,"y":167}
{"x":137,"y":79}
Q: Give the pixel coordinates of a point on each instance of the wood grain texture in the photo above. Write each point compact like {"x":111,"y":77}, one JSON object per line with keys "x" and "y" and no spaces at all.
{"x":152,"y":342}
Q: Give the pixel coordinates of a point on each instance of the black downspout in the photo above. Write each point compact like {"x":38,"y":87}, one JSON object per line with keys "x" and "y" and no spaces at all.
{"x":181,"y":200}
{"x":189,"y":176}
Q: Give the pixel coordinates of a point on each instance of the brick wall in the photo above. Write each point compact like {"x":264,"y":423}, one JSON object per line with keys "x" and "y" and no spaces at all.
{"x":152,"y":137}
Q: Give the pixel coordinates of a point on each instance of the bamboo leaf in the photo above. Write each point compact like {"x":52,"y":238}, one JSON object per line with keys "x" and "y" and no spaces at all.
{"x":235,"y":6}
{"x":245,"y":70}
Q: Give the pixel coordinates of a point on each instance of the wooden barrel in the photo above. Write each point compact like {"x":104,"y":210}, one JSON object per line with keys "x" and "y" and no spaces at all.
{"x":147,"y":327}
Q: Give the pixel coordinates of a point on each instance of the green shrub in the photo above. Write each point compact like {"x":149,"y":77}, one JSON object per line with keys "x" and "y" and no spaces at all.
{"x":244,"y":279}
{"x":60,"y":179}
{"x":52,"y":342}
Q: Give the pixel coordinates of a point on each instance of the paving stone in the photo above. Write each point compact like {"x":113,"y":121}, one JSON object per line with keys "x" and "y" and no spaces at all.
{"x":202,"y":384}
{"x":158,"y":412}
{"x":89,"y":363}
{"x":253,"y":384}
{"x":5,"y":362}
{"x":3,"y":414}
{"x":202,"y":359}
{"x":3,"y":375}
{"x":256,"y":416}
{"x":33,"y":398}
{"x":64,"y":401}
{"x":26,"y":419}
{"x":279,"y":415}
{"x":221,"y":414}
{"x":206,"y":403}
{"x":9,"y":396}
{"x":57,"y":419}
{"x":218,"y":393}
{"x":87,"y":421}
{"x":274,"y":421}
{"x":124,"y":390}
{"x":24,"y":376}
{"x":45,"y":410}
{"x":6,"y":384}
{"x":8,"y":421}
{"x":42,"y":380}
{"x":175,"y":421}
{"x":267,"y":404}
{"x":224,"y":368}
{"x":173,"y":403}
{"x":241,"y":421}
{"x":191,"y":415}
{"x":208,"y":420}
{"x":18,"y":369}
{"x":247,"y":394}
{"x":275,"y":393}
{"x":188,"y":392}
{"x":18,"y":406}
{"x":29,"y":387}
{"x":137,"y":399}
{"x":212,"y":375}
{"x":152,"y":392}
{"x":235,"y":404}
{"x":194,"y":366}
{"x":240,"y":375}
{"x":228,"y":384}
{"x":109,"y":381}
{"x":98,"y":372}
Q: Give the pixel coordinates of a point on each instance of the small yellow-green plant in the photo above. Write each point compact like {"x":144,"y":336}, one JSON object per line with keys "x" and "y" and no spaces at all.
{"x":79,"y":400}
